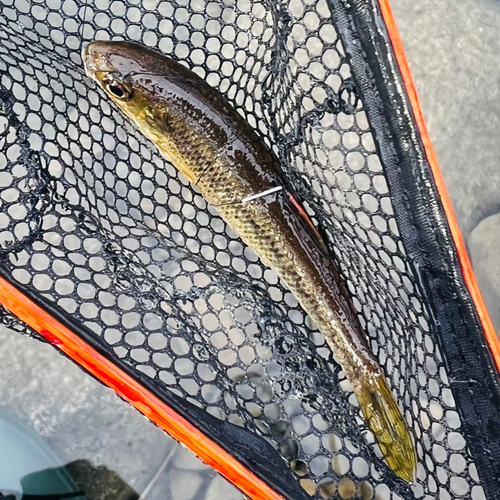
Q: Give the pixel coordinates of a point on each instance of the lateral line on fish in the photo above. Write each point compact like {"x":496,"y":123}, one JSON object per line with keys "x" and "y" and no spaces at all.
{"x":260,"y":195}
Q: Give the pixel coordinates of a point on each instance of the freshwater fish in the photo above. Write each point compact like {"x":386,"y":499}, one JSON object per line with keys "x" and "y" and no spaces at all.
{"x":207,"y":140}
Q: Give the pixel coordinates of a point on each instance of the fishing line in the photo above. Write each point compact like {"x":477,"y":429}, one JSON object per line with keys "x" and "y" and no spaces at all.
{"x":260,"y":195}
{"x":82,"y":31}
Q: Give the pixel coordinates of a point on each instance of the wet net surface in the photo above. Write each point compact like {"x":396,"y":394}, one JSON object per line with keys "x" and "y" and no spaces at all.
{"x":94,"y":220}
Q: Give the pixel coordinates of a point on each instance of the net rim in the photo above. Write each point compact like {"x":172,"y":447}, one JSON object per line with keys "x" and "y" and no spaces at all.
{"x":429,"y":231}
{"x":468,"y":273}
{"x":42,"y":318}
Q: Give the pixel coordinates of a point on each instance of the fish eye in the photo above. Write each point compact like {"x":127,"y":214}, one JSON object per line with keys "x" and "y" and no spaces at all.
{"x":117,"y":88}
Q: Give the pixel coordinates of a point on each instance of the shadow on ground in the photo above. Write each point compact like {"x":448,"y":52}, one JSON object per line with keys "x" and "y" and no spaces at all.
{"x":99,"y":482}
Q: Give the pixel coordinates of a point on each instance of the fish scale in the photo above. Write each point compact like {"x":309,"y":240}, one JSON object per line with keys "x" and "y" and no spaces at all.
{"x":207,"y":140}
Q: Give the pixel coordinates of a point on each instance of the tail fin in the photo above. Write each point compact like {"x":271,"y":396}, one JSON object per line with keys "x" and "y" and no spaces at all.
{"x":387,"y":424}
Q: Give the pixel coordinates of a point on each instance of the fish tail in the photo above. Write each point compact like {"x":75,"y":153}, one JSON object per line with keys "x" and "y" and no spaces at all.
{"x":387,"y":424}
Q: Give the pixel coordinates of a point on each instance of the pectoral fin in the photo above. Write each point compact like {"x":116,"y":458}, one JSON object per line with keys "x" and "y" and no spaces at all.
{"x":305,"y":217}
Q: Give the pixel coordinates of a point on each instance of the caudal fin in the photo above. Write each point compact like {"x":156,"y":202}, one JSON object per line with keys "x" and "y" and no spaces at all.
{"x":387,"y":424}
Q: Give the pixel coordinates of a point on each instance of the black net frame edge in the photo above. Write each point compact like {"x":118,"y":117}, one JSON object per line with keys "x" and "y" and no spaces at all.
{"x":427,"y":239}
{"x":425,"y":230}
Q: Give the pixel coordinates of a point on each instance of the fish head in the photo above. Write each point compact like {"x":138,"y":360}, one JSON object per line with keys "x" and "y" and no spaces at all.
{"x":138,"y":81}
{"x":112,"y":65}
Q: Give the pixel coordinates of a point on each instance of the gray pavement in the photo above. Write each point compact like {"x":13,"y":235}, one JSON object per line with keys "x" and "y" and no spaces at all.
{"x":453,"y":48}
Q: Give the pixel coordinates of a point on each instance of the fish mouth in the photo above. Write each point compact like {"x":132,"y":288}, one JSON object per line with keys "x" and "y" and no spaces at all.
{"x":85,"y":57}
{"x":102,"y":57}
{"x":95,"y":57}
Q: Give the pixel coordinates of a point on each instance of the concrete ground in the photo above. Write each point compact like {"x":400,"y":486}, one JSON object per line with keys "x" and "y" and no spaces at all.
{"x":453,"y":50}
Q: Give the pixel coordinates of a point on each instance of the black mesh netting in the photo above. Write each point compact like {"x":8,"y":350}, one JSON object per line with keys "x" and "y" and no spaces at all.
{"x":93,"y":219}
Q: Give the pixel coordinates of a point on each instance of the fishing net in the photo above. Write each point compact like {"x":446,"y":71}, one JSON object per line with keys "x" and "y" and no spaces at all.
{"x":103,"y":231}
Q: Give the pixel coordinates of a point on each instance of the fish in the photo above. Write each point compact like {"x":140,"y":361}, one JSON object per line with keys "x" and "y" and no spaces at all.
{"x":218,"y":151}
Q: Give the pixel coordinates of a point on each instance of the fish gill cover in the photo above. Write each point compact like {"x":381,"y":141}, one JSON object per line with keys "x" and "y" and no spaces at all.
{"x":103,"y":231}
